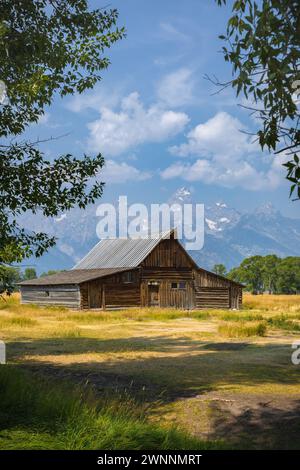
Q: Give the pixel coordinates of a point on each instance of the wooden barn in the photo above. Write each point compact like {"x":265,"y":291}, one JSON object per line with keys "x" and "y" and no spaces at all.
{"x":135,"y":273}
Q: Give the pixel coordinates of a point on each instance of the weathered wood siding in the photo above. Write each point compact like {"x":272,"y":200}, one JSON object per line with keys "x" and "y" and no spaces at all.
{"x":168,"y":253}
{"x":212,"y":297}
{"x":111,"y":291}
{"x":64,"y":295}
{"x":84,"y":295}
{"x":207,"y":279}
{"x":212,"y":291}
{"x":168,"y":297}
{"x":122,"y":295}
{"x":164,"y":276}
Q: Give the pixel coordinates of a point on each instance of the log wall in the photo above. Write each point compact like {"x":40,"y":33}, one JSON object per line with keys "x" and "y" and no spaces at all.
{"x":111,"y":291}
{"x":64,"y":295}
{"x":215,"y":292}
{"x":212,"y":297}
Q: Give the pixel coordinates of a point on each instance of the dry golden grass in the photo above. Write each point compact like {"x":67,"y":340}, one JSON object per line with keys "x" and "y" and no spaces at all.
{"x":275,"y":303}
{"x":242,"y":329}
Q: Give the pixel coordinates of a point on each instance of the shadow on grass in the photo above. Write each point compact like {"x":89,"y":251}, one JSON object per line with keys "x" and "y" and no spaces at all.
{"x":170,"y":368}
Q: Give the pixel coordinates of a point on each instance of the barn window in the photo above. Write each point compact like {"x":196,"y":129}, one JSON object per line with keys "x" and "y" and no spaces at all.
{"x":127,"y":277}
{"x":178,"y":285}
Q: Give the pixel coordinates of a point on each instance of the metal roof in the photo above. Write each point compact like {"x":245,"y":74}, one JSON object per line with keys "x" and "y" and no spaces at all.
{"x":72,"y":277}
{"x":120,"y":252}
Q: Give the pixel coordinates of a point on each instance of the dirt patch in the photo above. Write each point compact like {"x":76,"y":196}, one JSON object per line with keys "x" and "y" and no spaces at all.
{"x":248,"y":421}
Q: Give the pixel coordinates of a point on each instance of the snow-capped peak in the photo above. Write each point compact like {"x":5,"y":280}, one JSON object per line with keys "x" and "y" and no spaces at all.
{"x":182,"y":195}
{"x":212,"y":225}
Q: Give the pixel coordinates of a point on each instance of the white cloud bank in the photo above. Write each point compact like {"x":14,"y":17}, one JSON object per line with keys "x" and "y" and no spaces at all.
{"x":177,"y":88}
{"x":115,"y":132}
{"x":115,"y":172}
{"x":224,"y":156}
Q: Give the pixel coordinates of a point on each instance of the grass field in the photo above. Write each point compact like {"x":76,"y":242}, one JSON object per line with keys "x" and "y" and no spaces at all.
{"x":151,"y":378}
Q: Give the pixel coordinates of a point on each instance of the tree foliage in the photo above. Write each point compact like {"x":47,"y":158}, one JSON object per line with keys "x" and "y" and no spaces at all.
{"x":269,"y":274}
{"x":47,"y":48}
{"x":50,"y":272}
{"x":219,"y":269}
{"x":262,"y":42}
{"x":9,"y":276}
{"x":29,"y":273}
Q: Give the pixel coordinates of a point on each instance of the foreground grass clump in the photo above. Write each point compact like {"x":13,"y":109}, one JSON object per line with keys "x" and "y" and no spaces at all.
{"x":36,"y":415}
{"x":242,"y":330}
{"x":284,"y":323}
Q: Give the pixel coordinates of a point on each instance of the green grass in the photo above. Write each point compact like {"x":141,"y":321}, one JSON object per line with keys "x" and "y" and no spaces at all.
{"x":284,"y":323}
{"x":39,"y":415}
{"x":239,"y":316}
{"x":242,"y":330}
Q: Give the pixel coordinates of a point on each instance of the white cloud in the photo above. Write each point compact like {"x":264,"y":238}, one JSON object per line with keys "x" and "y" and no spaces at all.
{"x":209,"y":172}
{"x":114,"y":172}
{"x":96,"y":99}
{"x":224,"y":156}
{"x":118,"y":131}
{"x":171,"y":33}
{"x":220,"y":136}
{"x":176,"y":88}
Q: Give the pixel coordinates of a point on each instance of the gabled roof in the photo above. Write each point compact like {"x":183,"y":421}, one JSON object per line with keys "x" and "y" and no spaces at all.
{"x":75,"y":276}
{"x":120,"y":252}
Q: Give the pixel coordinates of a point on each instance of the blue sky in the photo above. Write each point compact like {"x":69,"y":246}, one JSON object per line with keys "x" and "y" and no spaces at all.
{"x":155,"y":119}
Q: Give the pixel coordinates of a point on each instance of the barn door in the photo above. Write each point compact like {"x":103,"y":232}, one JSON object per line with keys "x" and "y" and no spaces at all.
{"x":95,"y":294}
{"x":153,"y":296}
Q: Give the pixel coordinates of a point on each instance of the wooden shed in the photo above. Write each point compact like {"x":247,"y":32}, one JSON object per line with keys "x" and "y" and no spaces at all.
{"x":135,"y":273}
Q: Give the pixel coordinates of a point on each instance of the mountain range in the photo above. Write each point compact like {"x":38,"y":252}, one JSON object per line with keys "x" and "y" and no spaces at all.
{"x":230,"y":236}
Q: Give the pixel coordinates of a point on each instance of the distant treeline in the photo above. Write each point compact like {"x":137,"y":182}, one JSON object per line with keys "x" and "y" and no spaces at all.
{"x":266,"y":274}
